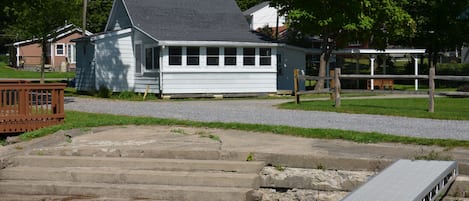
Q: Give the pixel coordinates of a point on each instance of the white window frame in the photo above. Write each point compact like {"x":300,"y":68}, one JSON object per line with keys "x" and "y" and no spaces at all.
{"x":250,"y":56}
{"x":182,"y":56}
{"x":268,"y":56}
{"x":193,"y":56}
{"x":231,"y":56}
{"x":154,"y":68}
{"x":63,"y":49}
{"x":71,"y":53}
{"x":212,"y":56}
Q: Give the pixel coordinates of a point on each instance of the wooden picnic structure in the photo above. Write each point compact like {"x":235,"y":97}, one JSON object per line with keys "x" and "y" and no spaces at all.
{"x":26,"y":106}
{"x":338,"y":76}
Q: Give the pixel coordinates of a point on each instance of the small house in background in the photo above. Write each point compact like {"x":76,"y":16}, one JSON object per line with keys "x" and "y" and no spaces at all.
{"x":265,"y":19}
{"x":173,"y":47}
{"x":61,"y":55}
{"x":262,"y":15}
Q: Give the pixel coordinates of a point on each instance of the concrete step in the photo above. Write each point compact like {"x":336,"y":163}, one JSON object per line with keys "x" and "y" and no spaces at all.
{"x":126,"y":191}
{"x":137,"y":152}
{"x":123,"y":176}
{"x":140,"y":163}
{"x":16,"y":197}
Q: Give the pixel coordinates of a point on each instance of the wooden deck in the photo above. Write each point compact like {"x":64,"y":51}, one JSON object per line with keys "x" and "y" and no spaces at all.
{"x":26,"y":106}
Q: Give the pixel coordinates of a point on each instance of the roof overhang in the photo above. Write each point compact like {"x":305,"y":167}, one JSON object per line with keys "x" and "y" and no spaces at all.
{"x":375,"y":51}
{"x":61,"y":35}
{"x":300,"y":49}
{"x":103,"y":35}
{"x":216,"y":44}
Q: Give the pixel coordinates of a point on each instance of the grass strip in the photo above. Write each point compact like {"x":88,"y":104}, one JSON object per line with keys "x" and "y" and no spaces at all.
{"x":445,"y":108}
{"x":7,"y":72}
{"x":85,"y":120}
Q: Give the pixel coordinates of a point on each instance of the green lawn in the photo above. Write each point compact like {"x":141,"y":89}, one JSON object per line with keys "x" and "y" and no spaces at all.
{"x":445,"y":108}
{"x":7,"y":72}
{"x":85,"y":120}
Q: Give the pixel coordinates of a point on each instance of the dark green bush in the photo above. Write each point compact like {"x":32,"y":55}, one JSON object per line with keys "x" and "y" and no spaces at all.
{"x":452,"y":69}
{"x":127,"y":95}
{"x":104,"y":92}
{"x":464,"y":88}
{"x":4,"y":59}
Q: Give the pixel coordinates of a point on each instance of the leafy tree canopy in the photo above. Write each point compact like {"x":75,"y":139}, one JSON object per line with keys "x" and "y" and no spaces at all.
{"x":39,"y":18}
{"x":441,"y":24}
{"x":342,"y":21}
{"x":246,"y":4}
{"x":98,"y":12}
{"x":338,"y":22}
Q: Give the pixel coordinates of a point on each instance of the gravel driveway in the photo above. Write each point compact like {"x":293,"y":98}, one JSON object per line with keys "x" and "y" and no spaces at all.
{"x":265,"y":112}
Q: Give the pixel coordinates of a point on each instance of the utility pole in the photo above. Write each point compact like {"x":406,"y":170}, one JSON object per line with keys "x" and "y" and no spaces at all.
{"x":85,"y":5}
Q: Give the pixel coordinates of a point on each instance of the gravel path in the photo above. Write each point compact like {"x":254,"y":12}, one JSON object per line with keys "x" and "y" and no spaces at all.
{"x":264,"y":112}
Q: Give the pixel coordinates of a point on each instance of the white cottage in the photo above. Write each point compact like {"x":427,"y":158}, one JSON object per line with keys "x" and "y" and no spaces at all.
{"x":177,"y":47}
{"x":262,"y":15}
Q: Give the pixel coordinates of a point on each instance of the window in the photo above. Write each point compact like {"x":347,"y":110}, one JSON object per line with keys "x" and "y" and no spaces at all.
{"x":193,"y":56}
{"x":175,"y":55}
{"x":152,"y":58}
{"x":71,"y":53}
{"x":156,"y":57}
{"x":60,"y":50}
{"x":212,"y":56}
{"x":230,"y":56}
{"x":149,"y":58}
{"x":138,"y":58}
{"x":265,"y":55}
{"x":249,"y":56}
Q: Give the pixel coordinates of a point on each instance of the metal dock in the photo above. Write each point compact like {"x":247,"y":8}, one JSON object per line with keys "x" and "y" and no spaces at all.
{"x":407,"y":180}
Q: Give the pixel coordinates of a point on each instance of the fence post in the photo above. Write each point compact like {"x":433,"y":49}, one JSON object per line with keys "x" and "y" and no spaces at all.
{"x":431,"y":90}
{"x":332,"y":83}
{"x":337,"y":87}
{"x":296,"y":87}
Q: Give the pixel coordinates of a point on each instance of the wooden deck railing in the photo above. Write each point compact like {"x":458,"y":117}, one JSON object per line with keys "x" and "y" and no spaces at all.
{"x":26,"y":107}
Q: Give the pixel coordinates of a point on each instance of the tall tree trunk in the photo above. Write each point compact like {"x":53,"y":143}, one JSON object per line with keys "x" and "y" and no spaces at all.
{"x":322,"y":71}
{"x":43,"y":57}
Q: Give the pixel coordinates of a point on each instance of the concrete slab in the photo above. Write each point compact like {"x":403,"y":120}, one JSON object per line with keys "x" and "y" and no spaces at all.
{"x":189,"y":142}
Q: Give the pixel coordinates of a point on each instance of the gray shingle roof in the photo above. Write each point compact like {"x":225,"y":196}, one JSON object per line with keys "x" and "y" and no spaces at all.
{"x":256,"y":8}
{"x":191,"y":20}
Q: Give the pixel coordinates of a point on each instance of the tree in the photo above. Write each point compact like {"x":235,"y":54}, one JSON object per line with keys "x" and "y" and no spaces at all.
{"x":4,"y":20}
{"x":98,"y":12}
{"x":40,"y":18}
{"x":246,"y":4}
{"x":441,"y":25}
{"x":339,"y":22}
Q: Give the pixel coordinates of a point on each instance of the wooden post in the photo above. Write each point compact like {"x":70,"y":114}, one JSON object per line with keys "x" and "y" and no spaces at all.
{"x":337,"y":87}
{"x":332,"y":83}
{"x":431,"y":90}
{"x":296,"y":87}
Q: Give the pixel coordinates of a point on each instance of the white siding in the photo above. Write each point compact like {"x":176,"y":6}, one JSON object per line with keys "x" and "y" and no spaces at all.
{"x":220,"y":78}
{"x":115,"y":62}
{"x":261,"y":82}
{"x":266,"y":16}
{"x":141,"y":84}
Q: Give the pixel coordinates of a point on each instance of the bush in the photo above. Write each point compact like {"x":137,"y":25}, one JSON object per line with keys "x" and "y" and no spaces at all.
{"x":104,"y":92}
{"x":127,"y":95}
{"x":452,"y":69}
{"x":464,"y":88}
{"x":4,"y":59}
